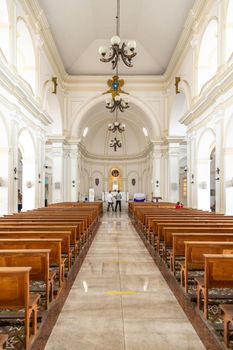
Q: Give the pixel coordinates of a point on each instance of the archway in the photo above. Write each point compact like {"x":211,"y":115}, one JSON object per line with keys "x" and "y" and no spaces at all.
{"x":205,"y":148}
{"x":213,"y":179}
{"x":208,"y":56}
{"x":183,"y":190}
{"x":4,"y":29}
{"x":26,"y":61}
{"x":228,"y":169}
{"x":115,"y":179}
{"x":229,"y":29}
{"x":4,"y":172}
{"x":27,"y":149}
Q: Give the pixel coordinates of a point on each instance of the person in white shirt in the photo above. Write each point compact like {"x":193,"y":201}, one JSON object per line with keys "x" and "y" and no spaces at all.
{"x":110,"y":201}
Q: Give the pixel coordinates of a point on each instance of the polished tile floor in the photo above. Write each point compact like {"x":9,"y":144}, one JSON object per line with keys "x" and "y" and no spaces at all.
{"x":120,"y":300}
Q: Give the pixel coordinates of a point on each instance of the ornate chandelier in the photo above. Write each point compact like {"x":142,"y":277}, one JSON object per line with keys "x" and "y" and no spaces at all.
{"x":117,"y":103}
{"x":117,"y":50}
{"x":116,"y":126}
{"x":115,"y":143}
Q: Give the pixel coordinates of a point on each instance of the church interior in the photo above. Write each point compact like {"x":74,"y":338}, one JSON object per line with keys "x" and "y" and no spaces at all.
{"x":116,"y":174}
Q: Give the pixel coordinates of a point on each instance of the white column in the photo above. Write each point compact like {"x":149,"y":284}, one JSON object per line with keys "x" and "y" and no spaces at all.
{"x":219,"y":184}
{"x":4,"y":180}
{"x":203,"y":183}
{"x":74,"y":157}
{"x":228,"y":180}
{"x":58,"y":172}
{"x":157,"y":171}
{"x":173,"y":172}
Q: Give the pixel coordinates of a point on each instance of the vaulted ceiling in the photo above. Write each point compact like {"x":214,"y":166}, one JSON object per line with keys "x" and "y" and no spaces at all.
{"x":79,"y":27}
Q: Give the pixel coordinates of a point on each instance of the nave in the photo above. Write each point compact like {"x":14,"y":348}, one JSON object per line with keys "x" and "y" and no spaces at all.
{"x":120,"y":300}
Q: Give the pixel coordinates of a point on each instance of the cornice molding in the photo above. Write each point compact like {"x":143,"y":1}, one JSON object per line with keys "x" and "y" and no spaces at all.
{"x":42,"y":26}
{"x":211,"y":92}
{"x":17,"y":87}
{"x":133,"y":157}
{"x":98,"y":83}
{"x":185,"y":38}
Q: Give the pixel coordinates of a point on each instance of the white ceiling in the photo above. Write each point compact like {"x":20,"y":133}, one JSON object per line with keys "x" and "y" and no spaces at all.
{"x":79,"y":27}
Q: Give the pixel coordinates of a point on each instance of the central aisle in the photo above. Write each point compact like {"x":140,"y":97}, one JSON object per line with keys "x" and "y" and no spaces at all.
{"x":120,"y":300}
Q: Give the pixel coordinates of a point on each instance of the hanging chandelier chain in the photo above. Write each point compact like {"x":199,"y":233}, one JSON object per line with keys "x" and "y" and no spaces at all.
{"x":118,"y":18}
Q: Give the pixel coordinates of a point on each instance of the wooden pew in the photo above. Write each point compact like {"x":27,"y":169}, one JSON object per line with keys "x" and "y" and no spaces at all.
{"x":179,"y":239}
{"x":14,"y":295}
{"x":3,"y":341}
{"x":227,"y":310}
{"x":168,"y":228}
{"x":209,"y":228}
{"x":51,"y":221}
{"x":38,"y":260}
{"x":218,"y":274}
{"x":194,"y":256}
{"x":22,"y":232}
{"x":54,"y":245}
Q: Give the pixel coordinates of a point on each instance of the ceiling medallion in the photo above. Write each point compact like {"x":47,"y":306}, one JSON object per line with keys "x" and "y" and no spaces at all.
{"x":115,"y":86}
{"x":113,"y":54}
{"x":115,"y":173}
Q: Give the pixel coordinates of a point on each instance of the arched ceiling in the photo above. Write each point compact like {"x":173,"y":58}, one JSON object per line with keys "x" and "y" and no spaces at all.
{"x":97,"y":139}
{"x":79,"y":27}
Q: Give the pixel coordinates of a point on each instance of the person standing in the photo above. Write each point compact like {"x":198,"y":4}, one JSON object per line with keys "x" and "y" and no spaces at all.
{"x":110,"y":201}
{"x":20,"y":201}
{"x":118,"y":200}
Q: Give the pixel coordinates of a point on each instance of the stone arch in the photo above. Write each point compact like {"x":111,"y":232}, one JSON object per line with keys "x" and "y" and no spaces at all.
{"x":4,"y":29}
{"x":228,"y":166}
{"x":132,"y":189}
{"x":4,"y":170}
{"x":85,"y":108}
{"x":26,"y":53}
{"x":206,"y":144}
{"x":207,"y":53}
{"x":99,"y":188}
{"x":27,"y":147}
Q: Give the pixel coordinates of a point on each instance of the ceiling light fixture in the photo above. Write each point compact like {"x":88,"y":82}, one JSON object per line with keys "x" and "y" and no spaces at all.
{"x":115,"y":143}
{"x":113,"y":54}
{"x":116,"y":126}
{"x":117,"y":103}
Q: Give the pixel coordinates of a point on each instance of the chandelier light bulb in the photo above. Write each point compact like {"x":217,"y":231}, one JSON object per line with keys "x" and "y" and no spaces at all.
{"x":115,"y":40}
{"x":117,"y":98}
{"x":132,"y":45}
{"x":103,"y":50}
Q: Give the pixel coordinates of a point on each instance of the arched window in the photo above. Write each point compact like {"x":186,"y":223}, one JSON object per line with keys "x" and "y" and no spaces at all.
{"x":4,"y":28}
{"x":229,"y":30}
{"x":26,"y":63}
{"x":208,"y":58}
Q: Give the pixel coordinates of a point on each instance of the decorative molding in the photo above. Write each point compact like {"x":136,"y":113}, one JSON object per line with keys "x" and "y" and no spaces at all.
{"x":115,"y":158}
{"x":211,"y":93}
{"x":19,"y":88}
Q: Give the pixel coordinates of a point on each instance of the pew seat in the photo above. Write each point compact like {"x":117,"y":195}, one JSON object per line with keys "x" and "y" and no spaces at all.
{"x":218,"y":274}
{"x":3,"y":341}
{"x":227,"y":310}
{"x":14,"y":295}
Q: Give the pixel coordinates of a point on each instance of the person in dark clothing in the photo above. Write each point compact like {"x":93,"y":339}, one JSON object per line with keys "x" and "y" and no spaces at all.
{"x":118,"y":200}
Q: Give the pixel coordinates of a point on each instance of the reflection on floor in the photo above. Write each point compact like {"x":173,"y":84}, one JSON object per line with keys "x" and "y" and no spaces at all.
{"x":120,"y":300}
